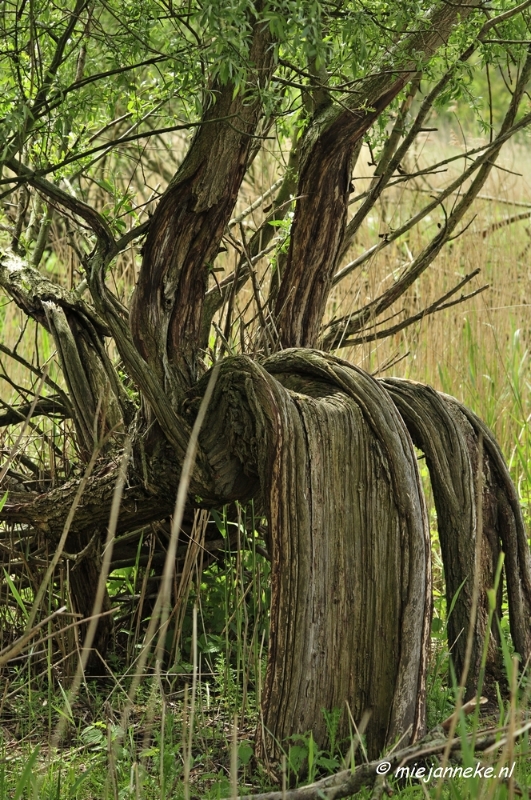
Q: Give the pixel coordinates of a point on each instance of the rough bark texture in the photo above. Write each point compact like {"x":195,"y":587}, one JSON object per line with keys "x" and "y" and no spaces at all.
{"x":349,"y":543}
{"x":150,"y":495}
{"x":317,"y":442}
{"x":95,"y":398}
{"x":448,"y":434}
{"x":96,"y":410}
{"x":322,"y":448}
{"x":508,"y":525}
{"x":449,"y":445}
{"x":186,"y":229}
{"x":344,"y":492}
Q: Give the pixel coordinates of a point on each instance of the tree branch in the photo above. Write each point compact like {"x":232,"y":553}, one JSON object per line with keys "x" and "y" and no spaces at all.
{"x":349,"y":782}
{"x":330,"y":341}
{"x":320,"y":214}
{"x":187,"y":227}
{"x":28,"y":288}
{"x":94,"y":220}
{"x":486,"y":151}
{"x":45,"y":406}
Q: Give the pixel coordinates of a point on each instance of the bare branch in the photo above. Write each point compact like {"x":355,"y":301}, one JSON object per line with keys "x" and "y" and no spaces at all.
{"x":484,"y":165}
{"x":32,"y":368}
{"x":504,"y":223}
{"x":96,"y":221}
{"x":488,"y":152}
{"x":257,"y":203}
{"x":438,"y":305}
{"x":46,"y":406}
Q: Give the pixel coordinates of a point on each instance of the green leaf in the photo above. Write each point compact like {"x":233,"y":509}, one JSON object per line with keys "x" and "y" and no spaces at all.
{"x":14,"y":591}
{"x":245,"y":753}
{"x":330,"y":764}
{"x":92,"y":735}
{"x":26,"y":774}
{"x":437,"y":625}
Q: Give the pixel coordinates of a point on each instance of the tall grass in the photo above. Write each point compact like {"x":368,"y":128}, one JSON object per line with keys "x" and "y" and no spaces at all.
{"x":188,"y":732}
{"x":477,"y":351}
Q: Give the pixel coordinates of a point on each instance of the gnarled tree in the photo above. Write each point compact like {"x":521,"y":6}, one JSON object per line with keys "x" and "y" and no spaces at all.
{"x":326,"y":450}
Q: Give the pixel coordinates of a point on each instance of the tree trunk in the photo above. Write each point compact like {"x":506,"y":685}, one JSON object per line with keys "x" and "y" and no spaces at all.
{"x":351,"y":571}
{"x":449,"y":435}
{"x":350,"y":606}
{"x":84,"y":576}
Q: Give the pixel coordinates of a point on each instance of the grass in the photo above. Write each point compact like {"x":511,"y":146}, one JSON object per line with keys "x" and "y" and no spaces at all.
{"x":150,"y":756}
{"x":188,"y":730}
{"x":176,"y":742}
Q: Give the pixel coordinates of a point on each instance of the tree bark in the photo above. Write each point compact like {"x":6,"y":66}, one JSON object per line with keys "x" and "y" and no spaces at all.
{"x":350,"y":606}
{"x":448,"y":443}
{"x":187,"y":226}
{"x":448,"y":434}
{"x":509,"y":527}
{"x":84,"y":575}
{"x":344,"y":492}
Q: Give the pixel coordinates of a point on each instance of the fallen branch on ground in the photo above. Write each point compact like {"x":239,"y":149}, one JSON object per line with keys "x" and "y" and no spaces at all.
{"x":348,"y":782}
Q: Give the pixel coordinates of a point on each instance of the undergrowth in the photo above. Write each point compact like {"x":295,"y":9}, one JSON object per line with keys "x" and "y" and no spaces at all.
{"x":189,"y":731}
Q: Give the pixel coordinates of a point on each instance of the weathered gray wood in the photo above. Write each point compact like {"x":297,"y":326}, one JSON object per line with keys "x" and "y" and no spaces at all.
{"x":348,"y":537}
{"x":448,"y":434}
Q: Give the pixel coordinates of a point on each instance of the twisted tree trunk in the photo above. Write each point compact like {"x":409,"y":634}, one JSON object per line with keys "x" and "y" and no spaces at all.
{"x":471,"y":507}
{"x":351,"y":578}
{"x":349,"y":543}
{"x":323,"y":447}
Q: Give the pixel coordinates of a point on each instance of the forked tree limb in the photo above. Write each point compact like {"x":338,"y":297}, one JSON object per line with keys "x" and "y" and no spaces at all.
{"x":188,"y":224}
{"x":324,"y":183}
